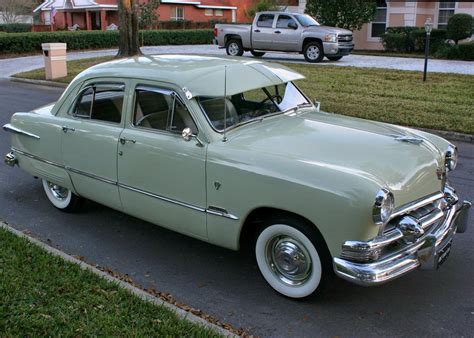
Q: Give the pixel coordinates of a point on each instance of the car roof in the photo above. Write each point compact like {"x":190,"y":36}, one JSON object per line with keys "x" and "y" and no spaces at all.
{"x":197,"y":75}
{"x":280,"y":12}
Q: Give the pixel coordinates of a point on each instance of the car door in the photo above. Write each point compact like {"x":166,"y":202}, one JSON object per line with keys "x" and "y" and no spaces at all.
{"x":90,"y":138}
{"x":161,"y":176}
{"x":262,"y":35}
{"x":287,"y":33}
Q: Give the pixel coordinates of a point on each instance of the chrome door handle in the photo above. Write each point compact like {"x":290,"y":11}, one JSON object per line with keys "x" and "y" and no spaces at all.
{"x":66,"y":129}
{"x":124,"y":140}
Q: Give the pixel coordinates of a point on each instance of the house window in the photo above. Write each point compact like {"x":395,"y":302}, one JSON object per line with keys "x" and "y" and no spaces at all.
{"x":446,"y":10}
{"x":380,"y":22}
{"x":208,"y":12}
{"x":219,"y":12}
{"x":177,"y":14}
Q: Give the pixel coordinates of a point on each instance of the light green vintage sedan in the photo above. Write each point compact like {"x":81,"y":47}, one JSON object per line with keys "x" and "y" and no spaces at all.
{"x":230,"y":151}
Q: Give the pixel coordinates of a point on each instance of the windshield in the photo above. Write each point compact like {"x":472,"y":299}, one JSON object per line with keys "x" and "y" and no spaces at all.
{"x":306,"y":20}
{"x":252,"y":105}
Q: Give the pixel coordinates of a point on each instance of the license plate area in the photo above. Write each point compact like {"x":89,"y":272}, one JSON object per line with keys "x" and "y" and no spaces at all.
{"x":443,"y":254}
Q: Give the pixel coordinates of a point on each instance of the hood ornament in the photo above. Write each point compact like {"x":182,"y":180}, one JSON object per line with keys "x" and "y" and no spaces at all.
{"x":409,"y":139}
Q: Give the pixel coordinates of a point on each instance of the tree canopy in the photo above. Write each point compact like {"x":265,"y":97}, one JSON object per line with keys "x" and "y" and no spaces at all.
{"x":349,"y":14}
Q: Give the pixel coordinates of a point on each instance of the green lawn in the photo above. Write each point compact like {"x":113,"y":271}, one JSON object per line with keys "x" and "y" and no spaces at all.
{"x":43,"y":295}
{"x":444,"y":102}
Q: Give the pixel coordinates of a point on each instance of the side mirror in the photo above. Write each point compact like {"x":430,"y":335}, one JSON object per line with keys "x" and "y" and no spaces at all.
{"x":317,"y":105}
{"x":292,"y":25}
{"x":188,"y":135}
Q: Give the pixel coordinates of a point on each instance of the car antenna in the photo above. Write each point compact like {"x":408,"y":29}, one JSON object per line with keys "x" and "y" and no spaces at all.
{"x":225,"y":103}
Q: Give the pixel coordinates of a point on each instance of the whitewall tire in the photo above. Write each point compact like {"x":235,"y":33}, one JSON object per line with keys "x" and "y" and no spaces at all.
{"x":60,"y":197}
{"x":288,"y":260}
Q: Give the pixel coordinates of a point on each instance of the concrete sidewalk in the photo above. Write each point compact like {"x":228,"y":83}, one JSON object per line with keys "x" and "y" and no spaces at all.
{"x":8,"y":67}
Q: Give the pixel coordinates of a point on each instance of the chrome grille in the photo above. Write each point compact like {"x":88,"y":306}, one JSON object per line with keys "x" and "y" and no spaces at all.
{"x":344,"y":38}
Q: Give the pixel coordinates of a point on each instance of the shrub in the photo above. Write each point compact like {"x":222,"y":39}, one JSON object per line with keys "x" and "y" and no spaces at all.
{"x":457,"y":52}
{"x":15,"y":27}
{"x":459,"y":27}
{"x":412,"y":39}
{"x":30,"y":42}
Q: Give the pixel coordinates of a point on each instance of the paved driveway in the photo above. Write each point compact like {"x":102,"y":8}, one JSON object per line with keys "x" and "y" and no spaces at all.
{"x":9,"y":67}
{"x":227,"y":284}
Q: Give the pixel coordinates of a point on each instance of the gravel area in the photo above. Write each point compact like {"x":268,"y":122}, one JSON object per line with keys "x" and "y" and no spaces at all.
{"x":12,"y":66}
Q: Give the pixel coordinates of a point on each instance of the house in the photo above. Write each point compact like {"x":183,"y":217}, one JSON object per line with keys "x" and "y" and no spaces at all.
{"x":99,"y":14}
{"x":401,"y":13}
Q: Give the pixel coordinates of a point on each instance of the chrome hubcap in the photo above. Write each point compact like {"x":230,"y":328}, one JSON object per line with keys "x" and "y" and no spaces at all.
{"x":58,"y":192}
{"x":289,"y":260}
{"x":313,"y":52}
{"x":233,"y":49}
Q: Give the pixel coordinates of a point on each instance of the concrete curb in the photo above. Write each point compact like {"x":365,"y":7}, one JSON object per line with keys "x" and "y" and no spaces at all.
{"x":39,"y":82}
{"x":182,"y":314}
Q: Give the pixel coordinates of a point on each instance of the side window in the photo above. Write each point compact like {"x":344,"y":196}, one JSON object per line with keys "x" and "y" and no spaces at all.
{"x":284,"y":20}
{"x":161,"y":110}
{"x":265,"y":20}
{"x":100,"y":103}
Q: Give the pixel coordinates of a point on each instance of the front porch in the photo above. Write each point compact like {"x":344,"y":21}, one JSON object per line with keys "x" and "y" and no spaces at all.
{"x":87,"y":20}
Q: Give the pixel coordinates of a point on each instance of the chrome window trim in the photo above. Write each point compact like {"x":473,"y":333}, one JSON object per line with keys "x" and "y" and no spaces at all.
{"x":210,"y":210}
{"x":8,"y":127}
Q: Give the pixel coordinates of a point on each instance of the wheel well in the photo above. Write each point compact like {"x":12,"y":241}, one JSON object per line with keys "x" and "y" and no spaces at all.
{"x":255,"y":219}
{"x":308,"y":40}
{"x":231,"y":36}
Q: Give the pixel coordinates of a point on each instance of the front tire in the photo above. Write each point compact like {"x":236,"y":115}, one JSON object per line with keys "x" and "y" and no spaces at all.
{"x":60,"y":197}
{"x":290,"y":257}
{"x":257,"y":54}
{"x":334,"y":58}
{"x":234,"y":47}
{"x":313,"y":52}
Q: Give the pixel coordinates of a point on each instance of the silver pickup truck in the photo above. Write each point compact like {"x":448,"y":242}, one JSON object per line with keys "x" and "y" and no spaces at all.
{"x":285,"y":32}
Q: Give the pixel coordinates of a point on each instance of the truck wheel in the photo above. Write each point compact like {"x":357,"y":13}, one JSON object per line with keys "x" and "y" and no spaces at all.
{"x":234,"y":47}
{"x":292,"y":257}
{"x":313,"y":52}
{"x":257,"y":54}
{"x":61,"y":198}
{"x":334,"y":58}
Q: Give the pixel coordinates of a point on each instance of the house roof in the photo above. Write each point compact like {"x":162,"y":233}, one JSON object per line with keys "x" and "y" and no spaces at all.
{"x":48,"y":5}
{"x":197,"y":75}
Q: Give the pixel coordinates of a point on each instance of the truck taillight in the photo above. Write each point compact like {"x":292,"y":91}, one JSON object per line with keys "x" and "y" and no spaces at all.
{"x":215,"y":32}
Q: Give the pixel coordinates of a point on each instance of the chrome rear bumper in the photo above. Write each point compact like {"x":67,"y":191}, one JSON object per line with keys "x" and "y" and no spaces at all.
{"x":427,"y":253}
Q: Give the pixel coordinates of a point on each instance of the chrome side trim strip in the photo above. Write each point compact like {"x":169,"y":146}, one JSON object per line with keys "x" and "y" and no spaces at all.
{"x":417,"y":204}
{"x":12,"y":129}
{"x":210,"y":211}
{"x":37,"y":158}
{"x":163,"y":198}
{"x":98,"y":178}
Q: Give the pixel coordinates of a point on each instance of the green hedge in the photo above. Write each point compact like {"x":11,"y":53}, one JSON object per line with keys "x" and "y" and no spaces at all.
{"x":463,"y":51}
{"x":15,"y":27}
{"x":412,"y":39}
{"x":31,"y":42}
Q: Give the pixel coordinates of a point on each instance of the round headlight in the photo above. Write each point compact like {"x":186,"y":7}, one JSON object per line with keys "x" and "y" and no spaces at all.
{"x":383,"y":207}
{"x":451,"y":157}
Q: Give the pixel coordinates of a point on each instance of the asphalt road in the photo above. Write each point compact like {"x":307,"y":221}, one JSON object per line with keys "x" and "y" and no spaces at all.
{"x":227,"y":284}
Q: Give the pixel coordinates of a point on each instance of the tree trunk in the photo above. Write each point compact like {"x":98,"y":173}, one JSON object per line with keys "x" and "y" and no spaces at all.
{"x":128,"y":15}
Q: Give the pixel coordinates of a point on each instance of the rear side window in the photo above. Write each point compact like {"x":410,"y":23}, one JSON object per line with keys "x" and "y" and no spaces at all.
{"x":265,"y":20}
{"x":101,"y":103}
{"x":284,"y":20}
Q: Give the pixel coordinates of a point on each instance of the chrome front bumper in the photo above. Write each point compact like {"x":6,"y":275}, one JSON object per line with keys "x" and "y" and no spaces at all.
{"x":427,"y":253}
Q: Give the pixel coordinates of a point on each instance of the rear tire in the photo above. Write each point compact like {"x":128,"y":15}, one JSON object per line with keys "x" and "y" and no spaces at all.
{"x":313,"y":52}
{"x":334,"y":58}
{"x":61,"y":198}
{"x":292,"y":256}
{"x":257,"y":54}
{"x":234,"y":47}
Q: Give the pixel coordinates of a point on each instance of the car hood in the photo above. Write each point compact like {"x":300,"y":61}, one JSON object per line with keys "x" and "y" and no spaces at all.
{"x":375,"y":151}
{"x":327,"y":30}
